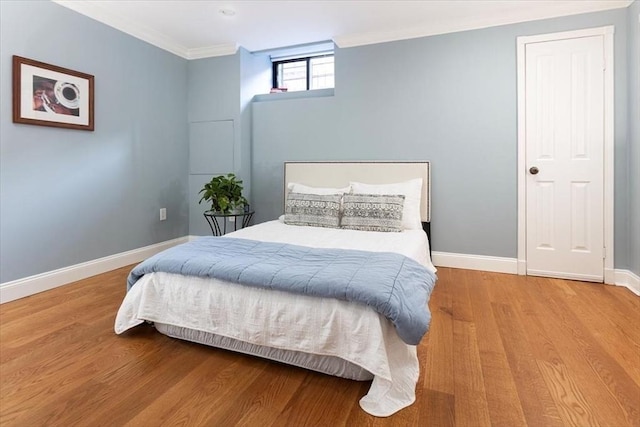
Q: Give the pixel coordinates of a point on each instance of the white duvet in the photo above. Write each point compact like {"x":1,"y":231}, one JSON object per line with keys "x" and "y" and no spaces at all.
{"x":321,"y":326}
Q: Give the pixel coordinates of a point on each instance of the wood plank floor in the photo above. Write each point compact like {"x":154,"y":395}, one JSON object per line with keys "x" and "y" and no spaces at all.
{"x":503,"y":350}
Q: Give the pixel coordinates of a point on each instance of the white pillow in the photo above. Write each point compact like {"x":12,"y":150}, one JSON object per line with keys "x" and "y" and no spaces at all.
{"x":295,"y":187}
{"x":412,"y":191}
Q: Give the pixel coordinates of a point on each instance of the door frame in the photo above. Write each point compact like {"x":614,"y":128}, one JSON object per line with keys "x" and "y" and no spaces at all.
{"x":607,"y":32}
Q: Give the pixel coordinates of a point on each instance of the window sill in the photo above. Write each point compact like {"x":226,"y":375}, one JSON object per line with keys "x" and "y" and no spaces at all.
{"x":316,"y":93}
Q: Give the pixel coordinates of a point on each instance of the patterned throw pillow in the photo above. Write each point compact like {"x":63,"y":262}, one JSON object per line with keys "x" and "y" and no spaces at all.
{"x":313,"y":210}
{"x":412,"y":191}
{"x":372,"y":212}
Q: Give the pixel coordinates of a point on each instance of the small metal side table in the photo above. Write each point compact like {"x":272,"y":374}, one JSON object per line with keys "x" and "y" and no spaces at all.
{"x":214,"y":219}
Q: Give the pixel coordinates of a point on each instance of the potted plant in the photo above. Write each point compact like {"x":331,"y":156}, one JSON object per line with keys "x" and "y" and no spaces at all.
{"x":224,"y":193}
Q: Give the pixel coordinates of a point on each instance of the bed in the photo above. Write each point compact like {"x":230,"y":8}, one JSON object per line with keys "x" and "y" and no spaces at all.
{"x":326,"y":334}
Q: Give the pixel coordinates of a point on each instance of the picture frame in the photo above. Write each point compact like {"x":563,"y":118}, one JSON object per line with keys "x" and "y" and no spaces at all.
{"x":48,"y":95}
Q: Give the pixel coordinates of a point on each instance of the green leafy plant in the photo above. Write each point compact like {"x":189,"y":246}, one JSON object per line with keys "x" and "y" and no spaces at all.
{"x":224,"y":193}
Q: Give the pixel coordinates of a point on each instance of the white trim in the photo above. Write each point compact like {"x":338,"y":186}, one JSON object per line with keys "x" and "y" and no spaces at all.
{"x":607,"y":32}
{"x":211,"y":51}
{"x":20,"y":288}
{"x":522,"y":160}
{"x":628,"y":279}
{"x":610,"y":276}
{"x":609,"y":150}
{"x":475,"y":262}
{"x":472,"y":23}
{"x":587,"y":32}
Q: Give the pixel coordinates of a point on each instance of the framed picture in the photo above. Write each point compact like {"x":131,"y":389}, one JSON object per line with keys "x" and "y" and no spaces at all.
{"x":47,"y":95}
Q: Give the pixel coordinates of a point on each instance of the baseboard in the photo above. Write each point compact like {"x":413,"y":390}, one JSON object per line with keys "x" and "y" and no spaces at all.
{"x":629,"y":280}
{"x":475,"y":262}
{"x":21,"y":288}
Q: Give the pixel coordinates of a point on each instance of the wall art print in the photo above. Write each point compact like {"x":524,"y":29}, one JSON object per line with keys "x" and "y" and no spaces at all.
{"x":48,"y":95}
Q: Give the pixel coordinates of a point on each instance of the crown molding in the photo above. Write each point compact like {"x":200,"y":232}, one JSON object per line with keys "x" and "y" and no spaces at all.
{"x":361,"y":39}
{"x":210,"y":51}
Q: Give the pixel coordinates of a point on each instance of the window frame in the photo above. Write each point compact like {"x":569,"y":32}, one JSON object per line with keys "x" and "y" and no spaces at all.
{"x":306,"y":59}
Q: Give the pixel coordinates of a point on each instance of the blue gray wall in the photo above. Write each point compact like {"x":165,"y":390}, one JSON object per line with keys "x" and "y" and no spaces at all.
{"x":214,"y":132}
{"x":633,"y":18}
{"x":219,"y":103}
{"x":70,"y":196}
{"x":450,"y":99}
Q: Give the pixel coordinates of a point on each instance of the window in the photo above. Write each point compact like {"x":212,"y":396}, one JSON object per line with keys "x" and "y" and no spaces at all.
{"x":305,"y":73}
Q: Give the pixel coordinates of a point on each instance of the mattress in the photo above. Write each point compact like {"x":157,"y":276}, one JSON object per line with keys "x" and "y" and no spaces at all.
{"x":349,"y":340}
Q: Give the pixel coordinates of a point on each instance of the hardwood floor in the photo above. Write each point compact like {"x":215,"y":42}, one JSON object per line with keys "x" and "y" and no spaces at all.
{"x":503,"y":350}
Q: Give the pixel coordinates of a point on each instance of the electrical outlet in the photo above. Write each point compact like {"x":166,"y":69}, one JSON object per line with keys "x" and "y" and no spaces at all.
{"x":163,"y":214}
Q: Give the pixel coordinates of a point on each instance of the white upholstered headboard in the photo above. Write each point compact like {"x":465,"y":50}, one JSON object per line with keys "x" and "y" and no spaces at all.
{"x":339,"y":174}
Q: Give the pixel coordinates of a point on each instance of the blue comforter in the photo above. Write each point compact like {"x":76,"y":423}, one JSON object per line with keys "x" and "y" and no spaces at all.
{"x":394,"y":285}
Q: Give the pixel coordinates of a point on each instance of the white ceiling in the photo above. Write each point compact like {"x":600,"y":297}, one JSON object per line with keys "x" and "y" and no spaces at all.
{"x":196,"y":28}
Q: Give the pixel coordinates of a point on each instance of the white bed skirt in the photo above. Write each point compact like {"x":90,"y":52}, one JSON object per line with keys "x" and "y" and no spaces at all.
{"x":330,"y":365}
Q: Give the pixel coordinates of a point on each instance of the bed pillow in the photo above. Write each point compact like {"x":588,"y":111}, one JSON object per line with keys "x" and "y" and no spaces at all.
{"x":314,"y":210}
{"x":412,"y":191}
{"x":372,"y":212}
{"x":301,"y":188}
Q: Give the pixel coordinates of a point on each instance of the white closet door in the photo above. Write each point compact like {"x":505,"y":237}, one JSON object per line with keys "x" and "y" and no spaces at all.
{"x":565,"y":158}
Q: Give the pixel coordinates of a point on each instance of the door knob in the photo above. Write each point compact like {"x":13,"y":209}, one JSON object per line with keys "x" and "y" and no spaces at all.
{"x":534,"y":170}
